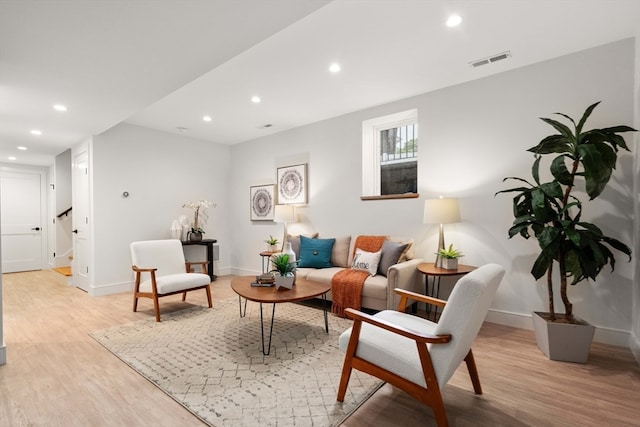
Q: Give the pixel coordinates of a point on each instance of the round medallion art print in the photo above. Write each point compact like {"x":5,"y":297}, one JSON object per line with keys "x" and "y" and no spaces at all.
{"x":261,"y":203}
{"x":291,"y":185}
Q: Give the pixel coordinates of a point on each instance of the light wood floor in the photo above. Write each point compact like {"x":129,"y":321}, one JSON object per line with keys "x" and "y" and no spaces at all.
{"x":57,"y":375}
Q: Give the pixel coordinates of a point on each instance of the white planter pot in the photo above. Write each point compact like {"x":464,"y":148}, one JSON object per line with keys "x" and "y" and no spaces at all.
{"x":564,"y":342}
{"x":284,"y":281}
{"x":450,"y":263}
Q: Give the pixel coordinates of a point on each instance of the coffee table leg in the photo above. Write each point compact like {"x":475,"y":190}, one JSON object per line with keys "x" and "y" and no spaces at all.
{"x":324,"y":307}
{"x":273,"y":315}
{"x":242,"y":312}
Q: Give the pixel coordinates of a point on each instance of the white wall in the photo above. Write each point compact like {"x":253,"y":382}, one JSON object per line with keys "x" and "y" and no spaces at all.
{"x":471,"y":136}
{"x":161,"y":172}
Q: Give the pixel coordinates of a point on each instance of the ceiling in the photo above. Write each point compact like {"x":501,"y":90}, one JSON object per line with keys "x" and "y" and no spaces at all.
{"x":165,"y":64}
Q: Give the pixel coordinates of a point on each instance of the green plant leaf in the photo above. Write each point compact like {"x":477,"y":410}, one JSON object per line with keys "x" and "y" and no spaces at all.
{"x":618,"y":245}
{"x":552,"y":190}
{"x":597,"y":170}
{"x":551,"y":144}
{"x":585,"y":116}
{"x":560,"y":172}
{"x":562,"y":128}
{"x":541,"y":265}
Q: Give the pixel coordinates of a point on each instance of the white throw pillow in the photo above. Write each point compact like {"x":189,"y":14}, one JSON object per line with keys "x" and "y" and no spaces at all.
{"x":366,"y":261}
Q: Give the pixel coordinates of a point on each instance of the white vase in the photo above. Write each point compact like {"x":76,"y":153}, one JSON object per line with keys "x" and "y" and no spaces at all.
{"x":292,"y":257}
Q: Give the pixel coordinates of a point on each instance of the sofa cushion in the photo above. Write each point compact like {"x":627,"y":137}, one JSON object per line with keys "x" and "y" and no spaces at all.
{"x":295,"y":242}
{"x":366,"y":261}
{"x":408,"y":252}
{"x":315,"y":253}
{"x":390,"y":255}
{"x":340,"y":252}
{"x":321,"y":275}
{"x":356,"y":240}
{"x":375,"y":287}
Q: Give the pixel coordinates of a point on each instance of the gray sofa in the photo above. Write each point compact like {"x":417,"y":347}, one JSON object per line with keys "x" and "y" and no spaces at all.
{"x":377,"y":291}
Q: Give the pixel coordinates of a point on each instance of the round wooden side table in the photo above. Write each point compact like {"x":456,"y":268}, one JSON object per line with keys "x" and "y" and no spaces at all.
{"x":430,"y":269}
{"x":266,"y":257}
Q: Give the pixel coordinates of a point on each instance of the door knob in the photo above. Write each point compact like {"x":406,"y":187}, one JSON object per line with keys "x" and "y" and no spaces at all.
{"x":75,"y":231}
{"x":36,"y":228}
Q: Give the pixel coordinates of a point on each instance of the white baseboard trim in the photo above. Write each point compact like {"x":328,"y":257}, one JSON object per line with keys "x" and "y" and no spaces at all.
{"x":634,"y":345}
{"x":112,"y":288}
{"x":523,"y":321}
{"x":224,"y":271}
{"x":243,"y":272}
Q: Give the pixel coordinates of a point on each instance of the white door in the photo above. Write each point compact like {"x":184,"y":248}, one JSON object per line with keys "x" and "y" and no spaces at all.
{"x":80,"y":227}
{"x":21,"y":204}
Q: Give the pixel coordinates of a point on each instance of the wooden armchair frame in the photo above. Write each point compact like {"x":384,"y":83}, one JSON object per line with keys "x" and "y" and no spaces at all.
{"x":429,"y":395}
{"x":154,"y":295}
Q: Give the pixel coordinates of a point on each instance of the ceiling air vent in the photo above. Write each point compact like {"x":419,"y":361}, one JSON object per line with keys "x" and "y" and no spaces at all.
{"x":491,"y":59}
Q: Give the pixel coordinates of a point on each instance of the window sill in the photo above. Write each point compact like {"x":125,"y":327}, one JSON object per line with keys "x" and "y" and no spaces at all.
{"x":391,"y":196}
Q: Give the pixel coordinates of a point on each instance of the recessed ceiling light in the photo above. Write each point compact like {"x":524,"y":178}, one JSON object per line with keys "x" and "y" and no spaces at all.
{"x":454,"y":21}
{"x":36,"y":132}
{"x":11,"y":158}
{"x":255,"y":99}
{"x":206,"y":118}
{"x":60,"y":107}
{"x":182,"y":129}
{"x":22,"y":148}
{"x":334,"y":68}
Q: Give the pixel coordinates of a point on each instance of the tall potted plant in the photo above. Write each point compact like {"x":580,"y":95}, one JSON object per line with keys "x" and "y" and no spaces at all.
{"x":553,"y":213}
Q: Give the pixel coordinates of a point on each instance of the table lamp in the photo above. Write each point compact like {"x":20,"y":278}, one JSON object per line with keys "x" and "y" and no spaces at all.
{"x":441,"y":211}
{"x":284,"y":213}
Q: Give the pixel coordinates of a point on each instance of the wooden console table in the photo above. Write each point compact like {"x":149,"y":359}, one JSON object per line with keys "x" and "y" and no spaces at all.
{"x":209,"y":244}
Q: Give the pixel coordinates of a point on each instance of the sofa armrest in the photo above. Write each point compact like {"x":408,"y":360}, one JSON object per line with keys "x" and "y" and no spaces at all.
{"x":404,"y":275}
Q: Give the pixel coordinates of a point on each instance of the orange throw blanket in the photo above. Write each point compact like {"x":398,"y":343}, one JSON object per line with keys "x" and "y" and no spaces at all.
{"x":346,"y":285}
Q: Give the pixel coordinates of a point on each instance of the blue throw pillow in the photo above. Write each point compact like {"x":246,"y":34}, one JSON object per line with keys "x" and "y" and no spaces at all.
{"x":315,"y":253}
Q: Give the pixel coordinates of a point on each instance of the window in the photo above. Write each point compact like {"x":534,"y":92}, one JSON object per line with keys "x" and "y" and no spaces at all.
{"x":390,"y":156}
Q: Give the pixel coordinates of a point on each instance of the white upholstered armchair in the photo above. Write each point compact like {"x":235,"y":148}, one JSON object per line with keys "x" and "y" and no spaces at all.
{"x":414,"y":354}
{"x":169,"y":273}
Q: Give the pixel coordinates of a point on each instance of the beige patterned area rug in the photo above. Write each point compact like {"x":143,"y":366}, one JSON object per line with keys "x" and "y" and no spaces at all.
{"x":211,"y":362}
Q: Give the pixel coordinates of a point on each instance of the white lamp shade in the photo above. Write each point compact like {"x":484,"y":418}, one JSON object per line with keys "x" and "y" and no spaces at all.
{"x":284,"y":213}
{"x":441,"y":211}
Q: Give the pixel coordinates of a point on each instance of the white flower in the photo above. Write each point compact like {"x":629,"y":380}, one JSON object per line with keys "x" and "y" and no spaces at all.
{"x":200,"y":213}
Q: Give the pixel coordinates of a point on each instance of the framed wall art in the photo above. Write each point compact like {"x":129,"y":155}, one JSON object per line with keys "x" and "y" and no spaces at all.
{"x":292,"y":184}
{"x":262,"y":202}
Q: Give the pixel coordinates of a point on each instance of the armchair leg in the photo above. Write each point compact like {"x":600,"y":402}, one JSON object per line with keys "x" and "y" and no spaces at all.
{"x":135,"y":303}
{"x":156,"y":306}
{"x":473,"y":372}
{"x":344,"y":379}
{"x":440,"y":414}
{"x":348,"y":359}
{"x":208,"y":289}
{"x":184,"y":296}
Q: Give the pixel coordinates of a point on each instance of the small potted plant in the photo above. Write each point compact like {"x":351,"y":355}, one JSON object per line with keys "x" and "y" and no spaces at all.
{"x":285,"y":271}
{"x":272,"y":242}
{"x":199,"y":218}
{"x":449,"y":257}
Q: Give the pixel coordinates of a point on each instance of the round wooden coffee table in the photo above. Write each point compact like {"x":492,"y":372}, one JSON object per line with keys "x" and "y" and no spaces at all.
{"x":302,"y":290}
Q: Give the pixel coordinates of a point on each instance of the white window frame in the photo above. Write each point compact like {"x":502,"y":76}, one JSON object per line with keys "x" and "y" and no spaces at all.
{"x":371,"y":148}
